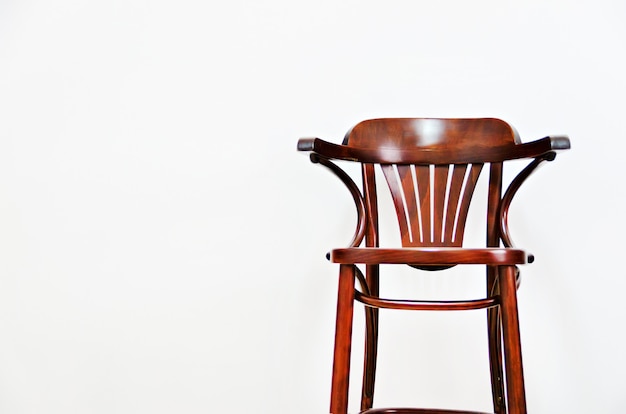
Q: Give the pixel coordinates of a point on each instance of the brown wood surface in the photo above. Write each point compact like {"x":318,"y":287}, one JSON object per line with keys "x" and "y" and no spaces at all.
{"x":428,"y":255}
{"x":431,"y":167}
{"x":416,"y":411}
{"x":372,"y":276}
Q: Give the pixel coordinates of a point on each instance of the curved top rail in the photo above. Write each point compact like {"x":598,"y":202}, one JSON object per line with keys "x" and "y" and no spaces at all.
{"x":431,"y":132}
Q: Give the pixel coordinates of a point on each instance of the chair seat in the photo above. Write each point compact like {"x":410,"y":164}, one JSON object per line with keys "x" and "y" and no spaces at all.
{"x":441,"y":256}
{"x":415,"y":411}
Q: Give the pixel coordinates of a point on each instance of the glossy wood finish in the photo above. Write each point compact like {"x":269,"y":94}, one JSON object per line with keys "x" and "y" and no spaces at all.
{"x":372,"y":280}
{"x":437,"y":195}
{"x":343,"y":343}
{"x":431,"y":167}
{"x":428,"y":256}
{"x":392,"y":155}
{"x":516,"y":398}
{"x":432,"y":133}
{"x":415,"y":411}
{"x":493,"y":290}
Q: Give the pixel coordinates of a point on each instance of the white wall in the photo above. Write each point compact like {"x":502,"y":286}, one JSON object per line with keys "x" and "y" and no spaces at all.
{"x":161,"y":241}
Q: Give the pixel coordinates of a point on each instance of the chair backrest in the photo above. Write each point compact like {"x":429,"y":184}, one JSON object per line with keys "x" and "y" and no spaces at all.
{"x":432,"y":195}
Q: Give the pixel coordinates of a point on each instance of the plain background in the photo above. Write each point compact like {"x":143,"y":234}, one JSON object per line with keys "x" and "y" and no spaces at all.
{"x":162,"y":243}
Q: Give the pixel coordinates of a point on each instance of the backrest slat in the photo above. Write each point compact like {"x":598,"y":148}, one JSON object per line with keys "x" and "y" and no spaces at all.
{"x":469,"y":184}
{"x":395,"y":182}
{"x":422,"y":174}
{"x":456,"y":186}
{"x":438,"y":199}
{"x":431,"y":201}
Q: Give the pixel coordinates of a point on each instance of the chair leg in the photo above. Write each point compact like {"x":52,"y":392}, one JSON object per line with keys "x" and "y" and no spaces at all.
{"x":371,"y":342}
{"x":371,"y":349}
{"x":343,"y":341}
{"x":495,"y":360}
{"x":495,"y":344}
{"x":512,"y":345}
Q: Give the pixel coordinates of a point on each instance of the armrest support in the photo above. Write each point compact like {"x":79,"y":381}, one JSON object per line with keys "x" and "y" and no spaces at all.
{"x":542,"y":150}
{"x":359,"y":202}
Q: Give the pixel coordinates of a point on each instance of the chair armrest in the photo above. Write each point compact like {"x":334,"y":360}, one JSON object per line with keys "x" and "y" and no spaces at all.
{"x":545,"y":147}
{"x":327,"y":149}
{"x":559,"y":142}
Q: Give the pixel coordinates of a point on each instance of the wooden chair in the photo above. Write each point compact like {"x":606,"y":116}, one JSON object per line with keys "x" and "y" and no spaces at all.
{"x":431,"y":167}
